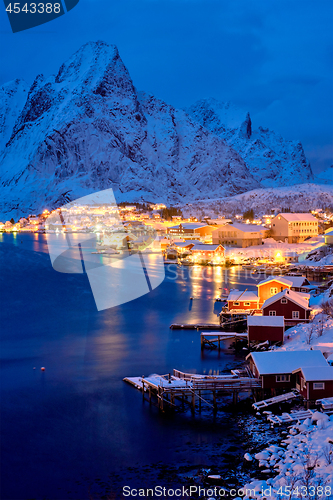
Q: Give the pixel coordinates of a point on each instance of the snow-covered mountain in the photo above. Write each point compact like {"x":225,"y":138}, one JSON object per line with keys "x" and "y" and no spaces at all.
{"x":325,"y":176}
{"x":272,"y":160}
{"x":13,"y":96}
{"x":88,"y":129}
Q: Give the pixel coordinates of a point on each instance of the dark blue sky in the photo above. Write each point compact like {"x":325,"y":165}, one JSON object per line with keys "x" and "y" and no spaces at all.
{"x":271,"y":57}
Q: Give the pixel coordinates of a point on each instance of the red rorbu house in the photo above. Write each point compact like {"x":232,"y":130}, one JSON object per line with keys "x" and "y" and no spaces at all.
{"x":245,"y":301}
{"x":204,"y":252}
{"x":275,"y":284}
{"x":314,"y":382}
{"x":293,"y":306}
{"x":276,"y":369}
{"x":271,"y":286}
{"x":265,"y":328}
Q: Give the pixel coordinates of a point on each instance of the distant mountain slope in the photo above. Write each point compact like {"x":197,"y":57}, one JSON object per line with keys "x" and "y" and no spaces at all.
{"x":298,"y":198}
{"x":325,"y":176}
{"x":272,"y":160}
{"x":87,"y":129}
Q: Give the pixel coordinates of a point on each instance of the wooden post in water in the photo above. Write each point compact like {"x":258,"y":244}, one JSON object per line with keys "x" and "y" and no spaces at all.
{"x":143,"y":387}
{"x":199,"y":400}
{"x":161,"y":394}
{"x":193,"y":401}
{"x":214,"y":400}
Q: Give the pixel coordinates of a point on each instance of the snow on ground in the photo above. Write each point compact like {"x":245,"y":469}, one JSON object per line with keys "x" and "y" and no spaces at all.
{"x":307,"y":336}
{"x":271,"y":247}
{"x":320,"y":256}
{"x":303,"y":462}
{"x":317,"y":334}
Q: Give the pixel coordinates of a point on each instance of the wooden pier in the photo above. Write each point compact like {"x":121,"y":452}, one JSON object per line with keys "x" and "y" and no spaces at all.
{"x":233,"y":321}
{"x":213,"y":340}
{"x":194,"y":326}
{"x":287,"y":418}
{"x":187,"y":389}
{"x":283,"y":398}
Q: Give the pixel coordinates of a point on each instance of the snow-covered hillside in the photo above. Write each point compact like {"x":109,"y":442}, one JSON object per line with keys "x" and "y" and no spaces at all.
{"x":88,"y":129}
{"x":301,"y":197}
{"x":273,"y":161}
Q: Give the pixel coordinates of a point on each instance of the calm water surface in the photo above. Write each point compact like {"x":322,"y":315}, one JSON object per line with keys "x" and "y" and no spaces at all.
{"x":77,"y":424}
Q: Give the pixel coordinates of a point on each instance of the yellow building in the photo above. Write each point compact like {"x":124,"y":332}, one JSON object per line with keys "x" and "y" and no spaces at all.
{"x":239,"y":235}
{"x":294,"y":227}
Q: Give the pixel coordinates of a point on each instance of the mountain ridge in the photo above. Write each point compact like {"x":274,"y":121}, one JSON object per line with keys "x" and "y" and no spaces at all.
{"x":87,"y":128}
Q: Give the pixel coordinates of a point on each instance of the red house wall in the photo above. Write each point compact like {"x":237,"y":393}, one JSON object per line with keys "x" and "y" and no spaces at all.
{"x":269,"y":382}
{"x":272,"y":333}
{"x":286,"y":310}
{"x":321,"y":393}
{"x":251,"y":307}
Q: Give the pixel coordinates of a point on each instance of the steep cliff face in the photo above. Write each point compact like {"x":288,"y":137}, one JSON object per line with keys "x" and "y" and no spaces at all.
{"x":272,"y":160}
{"x":13,"y":96}
{"x":88,"y":129}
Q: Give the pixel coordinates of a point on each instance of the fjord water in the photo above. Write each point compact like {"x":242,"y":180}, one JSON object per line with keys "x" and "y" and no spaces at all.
{"x":77,"y":422}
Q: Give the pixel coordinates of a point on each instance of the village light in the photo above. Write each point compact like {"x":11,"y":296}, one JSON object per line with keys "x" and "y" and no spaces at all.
{"x":278,"y":257}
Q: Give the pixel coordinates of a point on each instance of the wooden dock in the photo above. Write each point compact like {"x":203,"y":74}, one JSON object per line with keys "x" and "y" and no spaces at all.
{"x":275,"y":400}
{"x":213,"y":340}
{"x":187,"y":389}
{"x":326,"y":403}
{"x":194,"y":326}
{"x":287,"y":418}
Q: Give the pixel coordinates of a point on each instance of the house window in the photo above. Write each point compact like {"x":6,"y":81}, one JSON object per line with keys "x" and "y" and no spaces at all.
{"x":247,"y":303}
{"x":284,"y":300}
{"x":236,"y":303}
{"x":319,"y":385}
{"x":295,"y":315}
{"x":283,"y":378}
{"x":274,"y":290}
{"x":272,"y":313}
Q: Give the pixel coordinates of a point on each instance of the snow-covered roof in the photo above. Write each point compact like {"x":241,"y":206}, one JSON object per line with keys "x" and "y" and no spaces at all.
{"x":329,"y":233}
{"x":280,"y":279}
{"x":298,"y":217}
{"x":300,"y":299}
{"x":200,"y":247}
{"x":292,"y":281}
{"x":277,"y":362}
{"x":248,"y":228}
{"x":183,"y":244}
{"x":244,"y":296}
{"x":265,"y":321}
{"x":189,"y":225}
{"x":314,"y":373}
{"x":298,"y":281}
